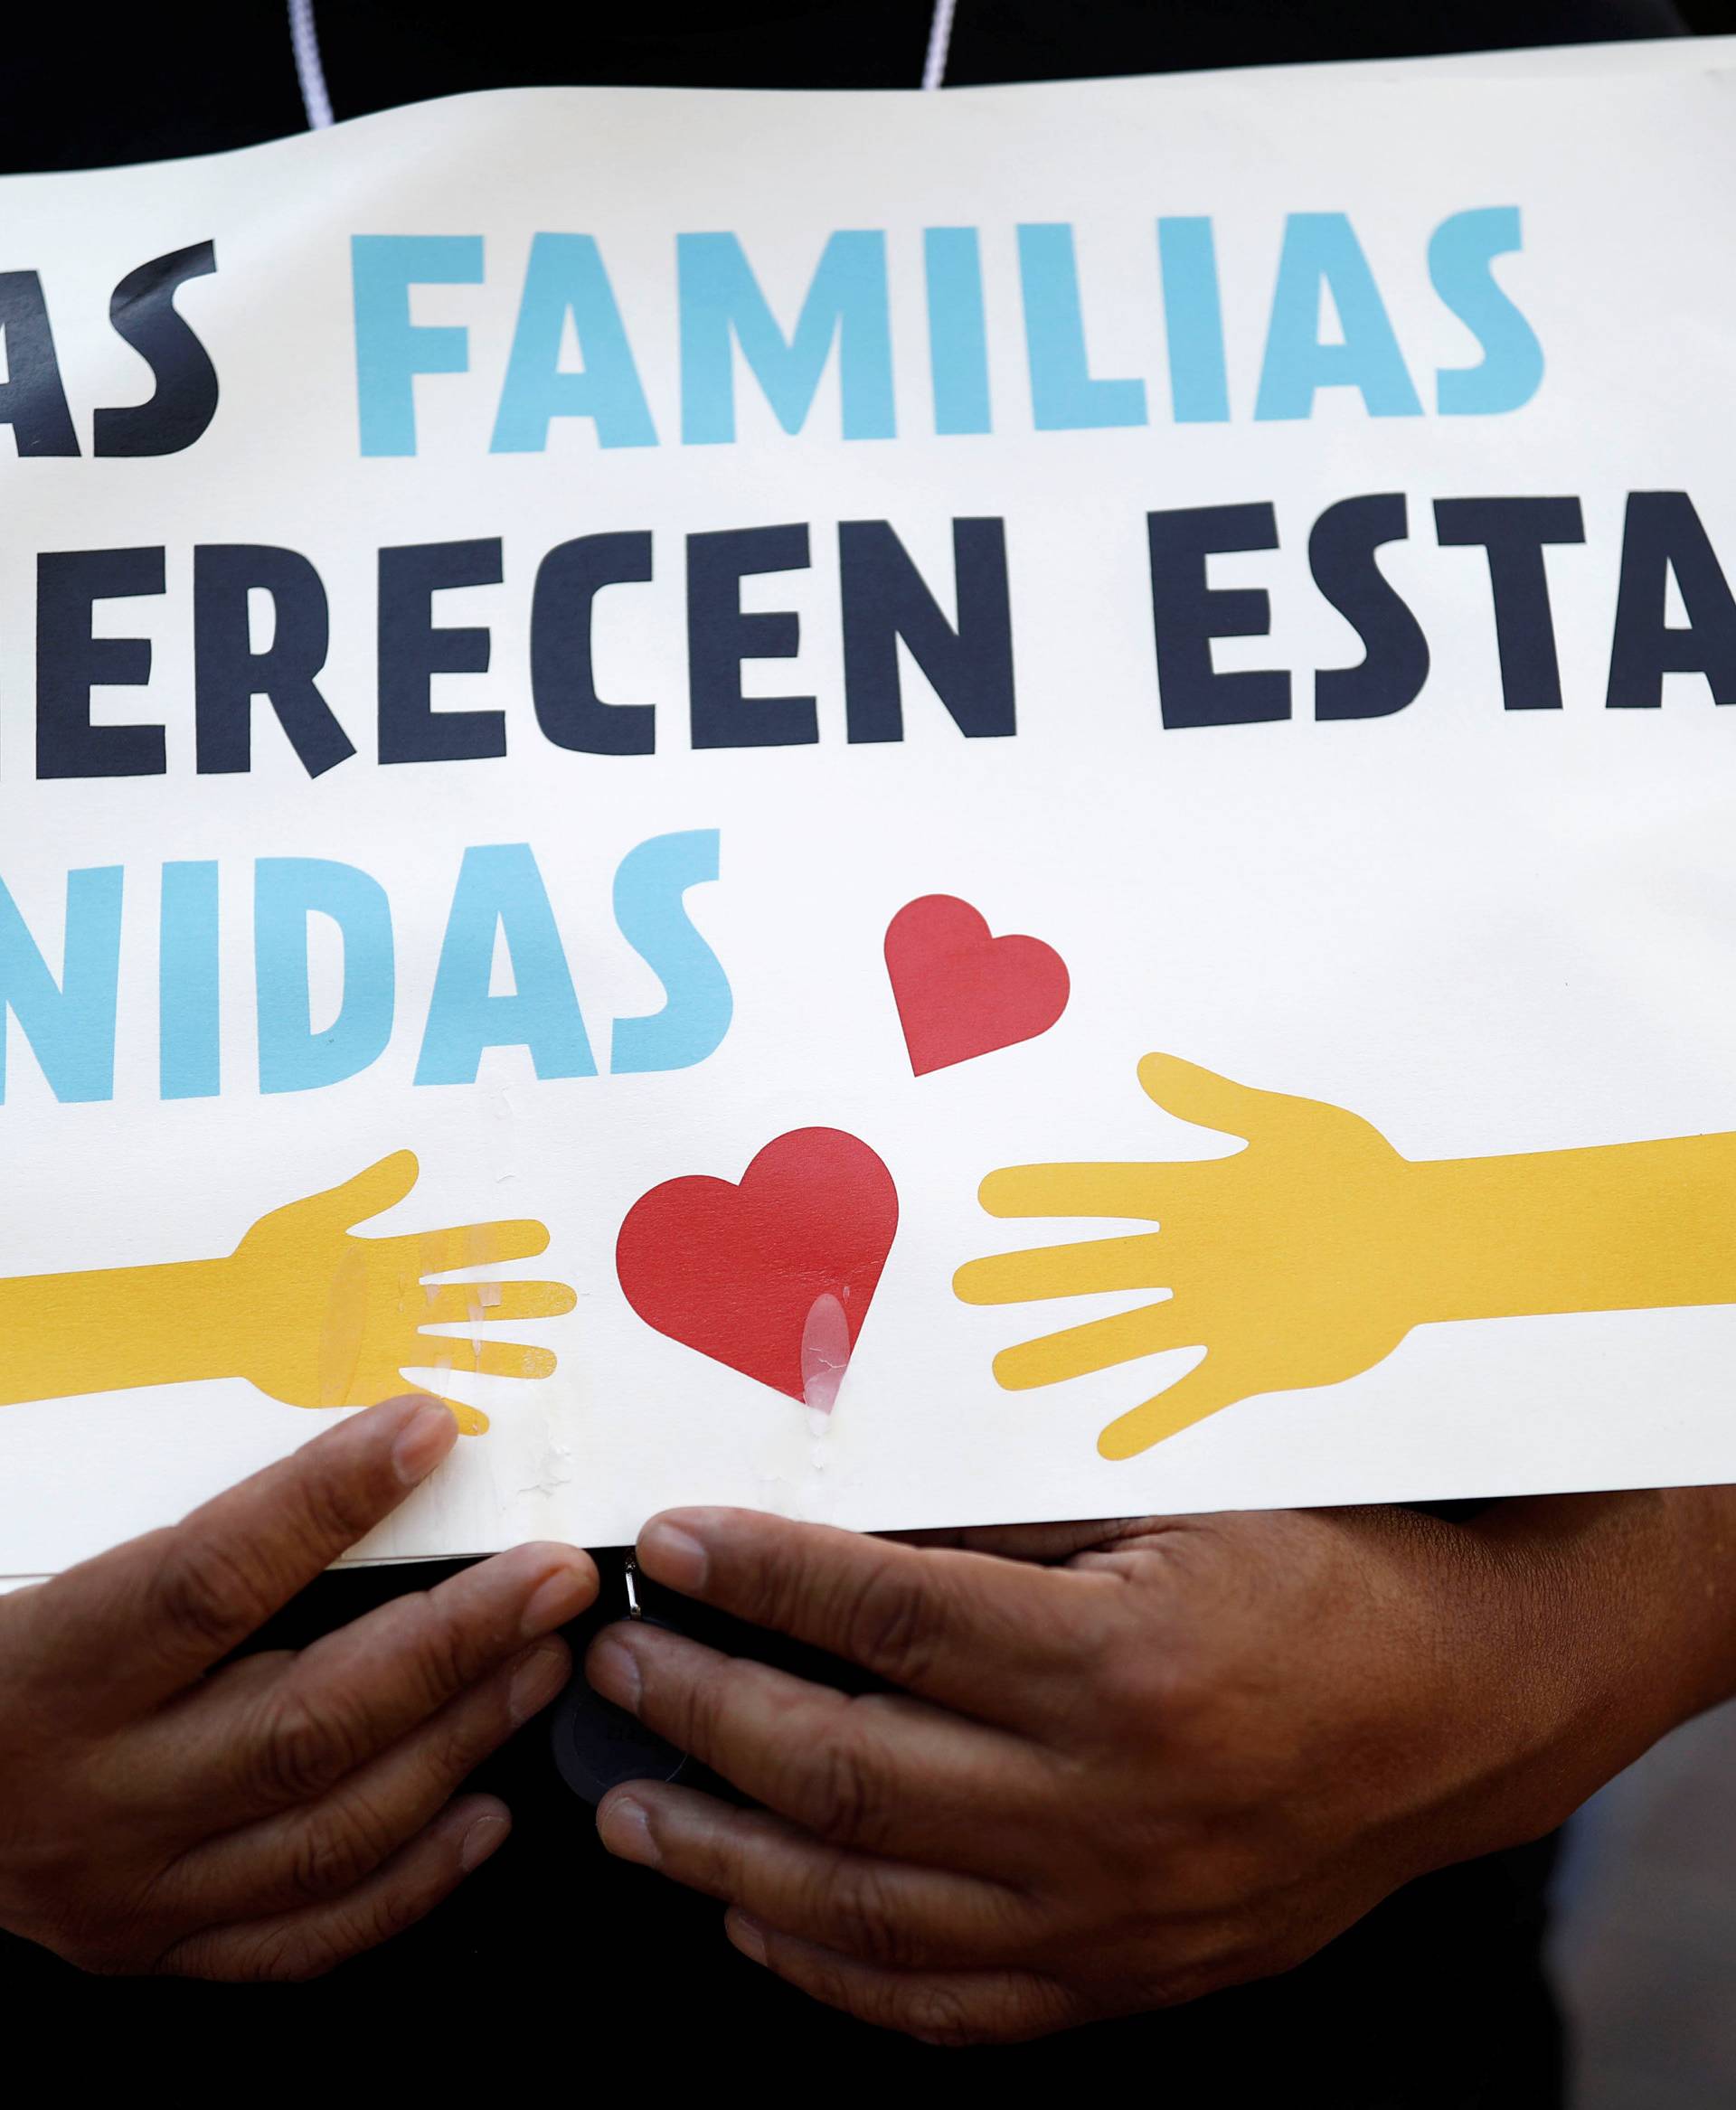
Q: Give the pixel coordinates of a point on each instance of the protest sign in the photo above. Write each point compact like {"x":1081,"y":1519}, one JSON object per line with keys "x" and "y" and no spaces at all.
{"x":918,"y":809}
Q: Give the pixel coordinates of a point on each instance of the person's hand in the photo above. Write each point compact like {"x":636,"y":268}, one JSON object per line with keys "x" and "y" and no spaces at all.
{"x":267,"y":1818}
{"x":1186,"y":1756}
{"x":1289,"y":1261}
{"x":334,"y":1320}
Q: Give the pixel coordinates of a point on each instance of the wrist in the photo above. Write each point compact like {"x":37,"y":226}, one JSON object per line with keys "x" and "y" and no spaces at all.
{"x":1596,"y":1633}
{"x":1641,"y":1586}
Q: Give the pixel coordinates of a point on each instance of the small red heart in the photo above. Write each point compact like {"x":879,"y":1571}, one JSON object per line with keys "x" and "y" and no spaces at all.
{"x":737,"y":1271}
{"x":962,"y":991}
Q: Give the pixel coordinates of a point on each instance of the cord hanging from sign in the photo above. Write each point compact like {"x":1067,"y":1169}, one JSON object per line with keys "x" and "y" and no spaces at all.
{"x":316,"y":101}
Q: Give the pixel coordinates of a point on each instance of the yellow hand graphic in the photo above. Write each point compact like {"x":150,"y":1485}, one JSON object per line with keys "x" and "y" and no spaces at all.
{"x":1308,"y":1255}
{"x":304,"y":1309}
{"x":339,"y":1317}
{"x":1280,"y":1292}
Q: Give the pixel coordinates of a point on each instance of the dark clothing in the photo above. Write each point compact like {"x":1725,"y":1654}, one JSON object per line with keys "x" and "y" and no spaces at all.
{"x":1437,"y":1999}
{"x":1434,"y":2002}
{"x":199,"y":75}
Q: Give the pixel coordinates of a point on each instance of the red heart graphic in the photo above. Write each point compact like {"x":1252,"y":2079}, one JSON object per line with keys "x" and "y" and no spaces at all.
{"x":962,"y":991}
{"x":737,"y":1272}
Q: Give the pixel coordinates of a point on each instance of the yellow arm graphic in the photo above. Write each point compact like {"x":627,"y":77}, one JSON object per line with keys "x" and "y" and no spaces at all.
{"x":304,"y":1309}
{"x":1307,"y":1256}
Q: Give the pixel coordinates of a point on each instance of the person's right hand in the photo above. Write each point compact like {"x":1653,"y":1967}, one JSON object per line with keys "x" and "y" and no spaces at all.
{"x":271,"y":1817}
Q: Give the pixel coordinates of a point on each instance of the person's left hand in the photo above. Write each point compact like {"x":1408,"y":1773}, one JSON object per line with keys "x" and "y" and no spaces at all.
{"x":1187,"y":1754}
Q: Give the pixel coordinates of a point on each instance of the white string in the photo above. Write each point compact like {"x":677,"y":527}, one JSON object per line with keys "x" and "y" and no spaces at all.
{"x":310,"y":71}
{"x":934,"y":67}
{"x":316,"y":99}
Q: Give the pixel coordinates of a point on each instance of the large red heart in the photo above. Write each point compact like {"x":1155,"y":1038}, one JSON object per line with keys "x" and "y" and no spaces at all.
{"x":737,"y":1272}
{"x":962,"y":991}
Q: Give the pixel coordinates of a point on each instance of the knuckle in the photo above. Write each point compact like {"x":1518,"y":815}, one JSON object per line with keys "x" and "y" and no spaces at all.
{"x":936,"y":2014}
{"x":1145,"y":1692}
{"x":699,"y":1707}
{"x":459,"y":1746}
{"x":892,"y":1624}
{"x":295,"y":1951}
{"x":335,"y":1851}
{"x":284,"y":1955}
{"x":834,"y":1986}
{"x":1180,"y":1699}
{"x":843,"y":1797}
{"x":386,"y":1913}
{"x":445,"y":1659}
{"x":866,"y":1918}
{"x":1012,"y":2010}
{"x":208,"y":1591}
{"x":329,"y":1510}
{"x":300,"y":1752}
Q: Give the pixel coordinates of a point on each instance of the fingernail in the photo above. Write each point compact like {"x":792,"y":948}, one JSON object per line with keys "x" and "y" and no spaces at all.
{"x":537,"y":1679}
{"x":481,"y":1837}
{"x":613,"y":1669}
{"x":559,"y":1597}
{"x":423,"y":1441}
{"x":624,"y":1827}
{"x":670,"y":1555}
{"x":748,"y":1935}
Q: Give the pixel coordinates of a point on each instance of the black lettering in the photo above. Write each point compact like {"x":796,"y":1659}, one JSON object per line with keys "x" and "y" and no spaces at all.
{"x":563,"y":678}
{"x":412,"y":652}
{"x":1187,"y":613}
{"x":184,"y":401}
{"x":70,"y":661}
{"x":1514,"y":532}
{"x":1395,"y":652}
{"x":1662,"y":534}
{"x":885,"y":598}
{"x":31,"y":399}
{"x":720,"y":635}
{"x":227,"y":674}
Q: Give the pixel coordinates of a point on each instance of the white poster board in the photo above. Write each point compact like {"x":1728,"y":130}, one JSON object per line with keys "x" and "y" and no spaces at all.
{"x":719,"y":668}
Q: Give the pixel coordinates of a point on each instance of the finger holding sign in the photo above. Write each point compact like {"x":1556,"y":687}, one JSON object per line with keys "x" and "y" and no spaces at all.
{"x":163,"y":1809}
{"x":872,"y":1773}
{"x":947,"y":1627}
{"x":1217,"y":1742}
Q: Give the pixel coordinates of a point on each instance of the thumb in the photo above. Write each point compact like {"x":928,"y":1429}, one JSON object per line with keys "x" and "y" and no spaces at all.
{"x":1209,"y":1100}
{"x":381,"y":1187}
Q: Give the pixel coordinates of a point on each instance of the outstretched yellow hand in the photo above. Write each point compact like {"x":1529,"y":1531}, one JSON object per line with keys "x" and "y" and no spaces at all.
{"x":1308,"y":1255}
{"x":304,"y":1308}
{"x":1273,"y":1256}
{"x":339,"y":1317}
